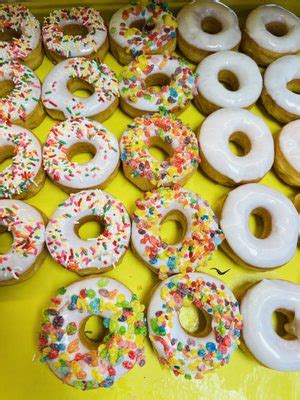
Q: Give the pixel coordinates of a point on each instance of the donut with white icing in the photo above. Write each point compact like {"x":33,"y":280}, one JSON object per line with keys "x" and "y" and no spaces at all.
{"x":75,"y":136}
{"x":93,"y":255}
{"x":167,"y":132}
{"x":246,"y":129}
{"x":80,"y":73}
{"x":75,"y":32}
{"x":201,"y":233}
{"x":271,"y":32}
{"x":197,"y":29}
{"x":257,"y":306}
{"x":279,"y":95}
{"x":28,"y":250}
{"x":76,"y":359}
{"x":152,"y":83}
{"x":236,"y":70}
{"x":278,"y":241}
{"x":184,"y":353}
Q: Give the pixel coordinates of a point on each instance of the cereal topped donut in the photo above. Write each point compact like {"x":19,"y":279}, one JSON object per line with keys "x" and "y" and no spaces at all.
{"x":155,"y":82}
{"x":142,"y":29}
{"x":74,"y":32}
{"x":20,"y":35}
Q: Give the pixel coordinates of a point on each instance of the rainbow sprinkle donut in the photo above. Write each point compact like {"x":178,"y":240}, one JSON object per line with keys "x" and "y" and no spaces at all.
{"x":73,"y":357}
{"x":201,"y":232}
{"x":178,"y":140}
{"x":187,"y":354}
{"x":92,"y":255}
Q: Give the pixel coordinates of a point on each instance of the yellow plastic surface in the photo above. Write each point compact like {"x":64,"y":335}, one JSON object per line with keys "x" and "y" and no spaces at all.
{"x":22,"y":376}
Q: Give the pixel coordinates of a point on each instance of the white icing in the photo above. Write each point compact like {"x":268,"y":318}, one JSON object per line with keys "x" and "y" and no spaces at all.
{"x":289,"y":143}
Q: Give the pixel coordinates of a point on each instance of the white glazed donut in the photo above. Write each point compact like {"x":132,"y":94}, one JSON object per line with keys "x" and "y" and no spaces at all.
{"x":278,"y":244}
{"x":85,"y":135}
{"x":187,"y":354}
{"x":213,"y":95}
{"x":92,"y":255}
{"x":257,"y":307}
{"x":217,"y":159}
{"x":73,"y":357}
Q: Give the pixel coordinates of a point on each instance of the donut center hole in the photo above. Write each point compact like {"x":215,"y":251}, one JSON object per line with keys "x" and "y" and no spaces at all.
{"x":9,"y":34}
{"x":282,"y":321}
{"x":155,"y":82}
{"x":195,"y":321}
{"x":160,"y":149}
{"x":81,"y":153}
{"x":277,"y":28}
{"x":229,"y":80}
{"x":80,"y":88}
{"x":75,"y":30}
{"x":89,"y":227}
{"x":294,"y":86}
{"x":6,"y":87}
{"x":211,"y":25}
{"x":6,"y":240}
{"x":6,"y":157}
{"x":239,"y":144}
{"x":92,"y":331}
{"x":260,"y":223}
{"x":142,"y":25}
{"x":173,"y":227}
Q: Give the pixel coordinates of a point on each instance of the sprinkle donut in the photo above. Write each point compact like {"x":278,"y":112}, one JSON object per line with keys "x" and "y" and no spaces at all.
{"x":176,"y":139}
{"x":80,"y":73}
{"x":201,"y":232}
{"x":80,"y":135}
{"x":186,"y":354}
{"x":75,"y":32}
{"x":92,"y":255}
{"x":71,"y":355}
{"x":27,"y":252}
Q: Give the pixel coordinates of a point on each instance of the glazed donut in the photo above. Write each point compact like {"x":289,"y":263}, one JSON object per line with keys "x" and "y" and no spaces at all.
{"x":25,"y":176}
{"x":75,"y":32}
{"x":80,"y":73}
{"x":205,"y":27}
{"x":76,"y":359}
{"x":27,"y":252}
{"x":140,"y":80}
{"x":184,"y":353}
{"x":277,"y":243}
{"x":20,"y":36}
{"x":138,"y":29}
{"x":76,"y":136}
{"x":201,"y":233}
{"x":91,"y":255}
{"x":247,"y":130}
{"x":259,"y":336}
{"x":236,"y":70}
{"x":20,"y":93}
{"x":271,"y":32}
{"x":167,"y":132}
{"x":280,"y":79}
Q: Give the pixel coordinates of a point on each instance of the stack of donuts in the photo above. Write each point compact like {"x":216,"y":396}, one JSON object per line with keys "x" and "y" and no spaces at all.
{"x":205,"y":56}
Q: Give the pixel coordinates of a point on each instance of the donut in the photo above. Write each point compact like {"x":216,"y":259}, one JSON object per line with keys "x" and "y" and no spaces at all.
{"x":277,"y":243}
{"x":92,"y":255}
{"x":240,"y":75}
{"x":205,"y":27}
{"x":28,"y":251}
{"x":74,"y":32}
{"x":20,"y":36}
{"x":247,"y":130}
{"x":75,"y":74}
{"x":77,"y":136}
{"x":71,"y":355}
{"x":150,"y":84}
{"x":188,"y":354}
{"x":142,"y":29}
{"x":270,"y":32}
{"x":167,"y":132}
{"x":25,"y":176}
{"x":20,"y":93}
{"x":201,"y":233}
{"x":280,"y":94}
{"x":257,"y":307}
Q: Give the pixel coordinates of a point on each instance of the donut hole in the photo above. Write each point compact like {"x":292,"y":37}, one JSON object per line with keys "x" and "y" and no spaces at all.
{"x":92,"y":331}
{"x":142,"y":25}
{"x":81,"y":153}
{"x":229,"y":80}
{"x":75,"y":30}
{"x":277,"y":28}
{"x":89,"y":227}
{"x":282,"y":321}
{"x":6,"y":87}
{"x":195,"y":321}
{"x":6,"y":240}
{"x":239,"y":144}
{"x":211,"y":25}
{"x":6,"y":157}
{"x":294,"y":86}
{"x":155,"y":82}
{"x":9,"y":34}
{"x":80,"y":88}
{"x":173,"y":227}
{"x":260,"y":223}
{"x":160,"y":149}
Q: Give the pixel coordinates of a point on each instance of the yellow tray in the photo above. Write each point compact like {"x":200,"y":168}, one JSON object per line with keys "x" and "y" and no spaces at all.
{"x":22,"y":374}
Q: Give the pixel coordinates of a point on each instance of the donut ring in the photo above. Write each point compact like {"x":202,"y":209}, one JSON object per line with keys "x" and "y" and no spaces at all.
{"x":92,"y":255}
{"x":246,"y":129}
{"x":78,"y":136}
{"x":187,"y":354}
{"x":73,"y":357}
{"x":80,"y":73}
{"x":176,"y":139}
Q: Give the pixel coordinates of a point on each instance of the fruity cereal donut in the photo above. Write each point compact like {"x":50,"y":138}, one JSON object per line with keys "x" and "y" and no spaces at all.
{"x":201,"y":231}
{"x":91,"y":255}
{"x":169,"y":133}
{"x":188,"y":354}
{"x":71,"y":355}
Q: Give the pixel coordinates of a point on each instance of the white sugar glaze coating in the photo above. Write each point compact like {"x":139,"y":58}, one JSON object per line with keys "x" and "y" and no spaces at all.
{"x":289,"y":143}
